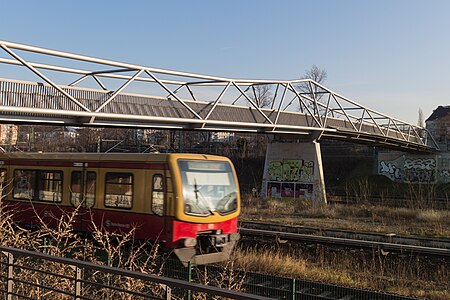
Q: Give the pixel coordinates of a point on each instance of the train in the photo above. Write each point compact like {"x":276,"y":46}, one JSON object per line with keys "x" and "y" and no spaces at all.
{"x":188,"y":203}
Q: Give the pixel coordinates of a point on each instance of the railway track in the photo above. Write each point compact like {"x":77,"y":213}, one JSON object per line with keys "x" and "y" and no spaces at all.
{"x":387,"y":242}
{"x":339,"y":198}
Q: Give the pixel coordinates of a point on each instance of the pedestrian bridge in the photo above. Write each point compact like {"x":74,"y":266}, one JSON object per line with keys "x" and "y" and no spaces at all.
{"x":68,"y":89}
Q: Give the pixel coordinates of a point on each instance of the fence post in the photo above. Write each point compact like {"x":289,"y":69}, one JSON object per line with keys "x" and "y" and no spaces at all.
{"x":10,"y":275}
{"x":168,"y":291}
{"x":189,"y":295}
{"x":78,"y":278}
{"x":294,"y":289}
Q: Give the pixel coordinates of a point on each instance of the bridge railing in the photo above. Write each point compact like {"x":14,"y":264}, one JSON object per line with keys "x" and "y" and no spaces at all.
{"x":267,"y":99}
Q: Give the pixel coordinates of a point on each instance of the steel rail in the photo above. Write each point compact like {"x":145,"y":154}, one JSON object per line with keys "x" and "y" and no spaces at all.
{"x":441,"y":243}
{"x":86,"y":73}
{"x":345,"y":242}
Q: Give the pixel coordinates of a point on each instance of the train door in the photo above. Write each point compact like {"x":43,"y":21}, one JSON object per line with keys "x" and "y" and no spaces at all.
{"x":83,"y":184}
{"x":158,"y":204}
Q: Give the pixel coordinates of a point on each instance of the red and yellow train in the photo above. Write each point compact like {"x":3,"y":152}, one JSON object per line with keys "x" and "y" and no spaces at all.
{"x":186,"y":202}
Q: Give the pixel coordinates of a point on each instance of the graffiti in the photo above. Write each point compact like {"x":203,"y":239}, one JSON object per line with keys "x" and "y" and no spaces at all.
{"x":291,"y":179}
{"x":290,"y":190}
{"x":420,"y":170}
{"x":291,"y":170}
{"x":390,"y":170}
{"x":445,"y":173}
{"x":418,"y":175}
{"x":409,"y":169}
{"x":421,"y":164}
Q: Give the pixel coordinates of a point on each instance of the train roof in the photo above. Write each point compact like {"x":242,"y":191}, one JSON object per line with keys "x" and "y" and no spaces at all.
{"x":138,"y":157}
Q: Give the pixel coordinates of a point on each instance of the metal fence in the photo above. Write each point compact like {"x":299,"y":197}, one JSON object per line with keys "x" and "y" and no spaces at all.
{"x":32,"y":275}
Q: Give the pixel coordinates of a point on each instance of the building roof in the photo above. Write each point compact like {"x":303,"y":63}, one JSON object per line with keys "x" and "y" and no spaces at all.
{"x":439,"y":112}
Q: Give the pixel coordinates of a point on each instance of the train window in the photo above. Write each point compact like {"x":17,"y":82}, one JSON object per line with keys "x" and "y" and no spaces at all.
{"x":38,"y":185}
{"x":3,"y":181}
{"x":24,"y":181}
{"x":208,"y":187}
{"x":50,"y":186}
{"x":158,"y":195}
{"x":91,"y":182}
{"x":75,"y":188}
{"x":78,"y":188}
{"x":119,"y":190}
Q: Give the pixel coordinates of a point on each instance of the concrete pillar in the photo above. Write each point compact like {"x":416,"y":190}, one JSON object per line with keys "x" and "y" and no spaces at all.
{"x":294,"y":170}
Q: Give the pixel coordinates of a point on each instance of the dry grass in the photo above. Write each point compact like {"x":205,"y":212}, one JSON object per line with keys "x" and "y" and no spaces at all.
{"x":349,"y":269}
{"x":358,"y":217}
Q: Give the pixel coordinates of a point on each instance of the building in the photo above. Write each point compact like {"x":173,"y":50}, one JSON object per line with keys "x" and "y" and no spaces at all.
{"x":438,"y":124}
{"x":222,"y":136}
{"x":8,"y":134}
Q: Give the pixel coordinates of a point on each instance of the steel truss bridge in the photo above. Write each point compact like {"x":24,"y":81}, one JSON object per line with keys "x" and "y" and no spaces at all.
{"x":67,"y":89}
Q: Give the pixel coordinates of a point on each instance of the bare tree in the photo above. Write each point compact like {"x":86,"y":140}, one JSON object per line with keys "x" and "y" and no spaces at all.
{"x":316,"y":74}
{"x":311,"y":90}
{"x":260,"y":94}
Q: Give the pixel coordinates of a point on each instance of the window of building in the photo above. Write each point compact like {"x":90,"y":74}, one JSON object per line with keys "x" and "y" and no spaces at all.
{"x":119,"y":190}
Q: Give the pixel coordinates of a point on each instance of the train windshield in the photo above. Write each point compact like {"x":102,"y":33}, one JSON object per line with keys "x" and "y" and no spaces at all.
{"x":208,"y":187}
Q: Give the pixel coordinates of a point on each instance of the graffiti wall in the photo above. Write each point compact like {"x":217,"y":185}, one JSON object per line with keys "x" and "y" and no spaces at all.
{"x":405,"y":167}
{"x":293,"y":170}
{"x":291,"y":178}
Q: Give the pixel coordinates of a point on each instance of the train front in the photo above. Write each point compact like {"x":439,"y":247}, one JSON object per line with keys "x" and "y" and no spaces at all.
{"x":206,"y":207}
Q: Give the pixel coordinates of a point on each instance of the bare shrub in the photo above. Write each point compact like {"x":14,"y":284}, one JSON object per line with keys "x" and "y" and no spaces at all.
{"x":105,"y":248}
{"x":227,"y":277}
{"x":430,"y":215}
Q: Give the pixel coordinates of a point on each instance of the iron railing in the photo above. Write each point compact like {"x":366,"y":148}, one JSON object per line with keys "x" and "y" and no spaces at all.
{"x":33,"y":275}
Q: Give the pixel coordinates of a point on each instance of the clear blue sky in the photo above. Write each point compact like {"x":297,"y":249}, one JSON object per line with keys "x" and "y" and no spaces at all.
{"x":393,"y":56}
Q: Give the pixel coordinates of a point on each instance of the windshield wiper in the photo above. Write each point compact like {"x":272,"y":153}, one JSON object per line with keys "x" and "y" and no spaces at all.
{"x":203,"y":200}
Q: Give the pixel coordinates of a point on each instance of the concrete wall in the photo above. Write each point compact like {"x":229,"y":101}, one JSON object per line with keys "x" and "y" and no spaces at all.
{"x":415,"y":168}
{"x":294,"y":170}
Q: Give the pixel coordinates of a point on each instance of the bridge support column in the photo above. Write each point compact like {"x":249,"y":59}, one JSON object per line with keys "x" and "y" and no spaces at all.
{"x":294,"y":170}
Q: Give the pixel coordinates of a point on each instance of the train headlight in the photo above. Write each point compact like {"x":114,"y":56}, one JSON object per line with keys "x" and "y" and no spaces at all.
{"x":190,"y":242}
{"x":219,"y":231}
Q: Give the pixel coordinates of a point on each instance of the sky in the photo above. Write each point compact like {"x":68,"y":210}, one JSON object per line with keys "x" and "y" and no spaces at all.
{"x":390,"y":55}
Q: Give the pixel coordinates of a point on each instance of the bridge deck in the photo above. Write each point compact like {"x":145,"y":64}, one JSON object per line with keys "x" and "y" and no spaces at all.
{"x":29,"y":102}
